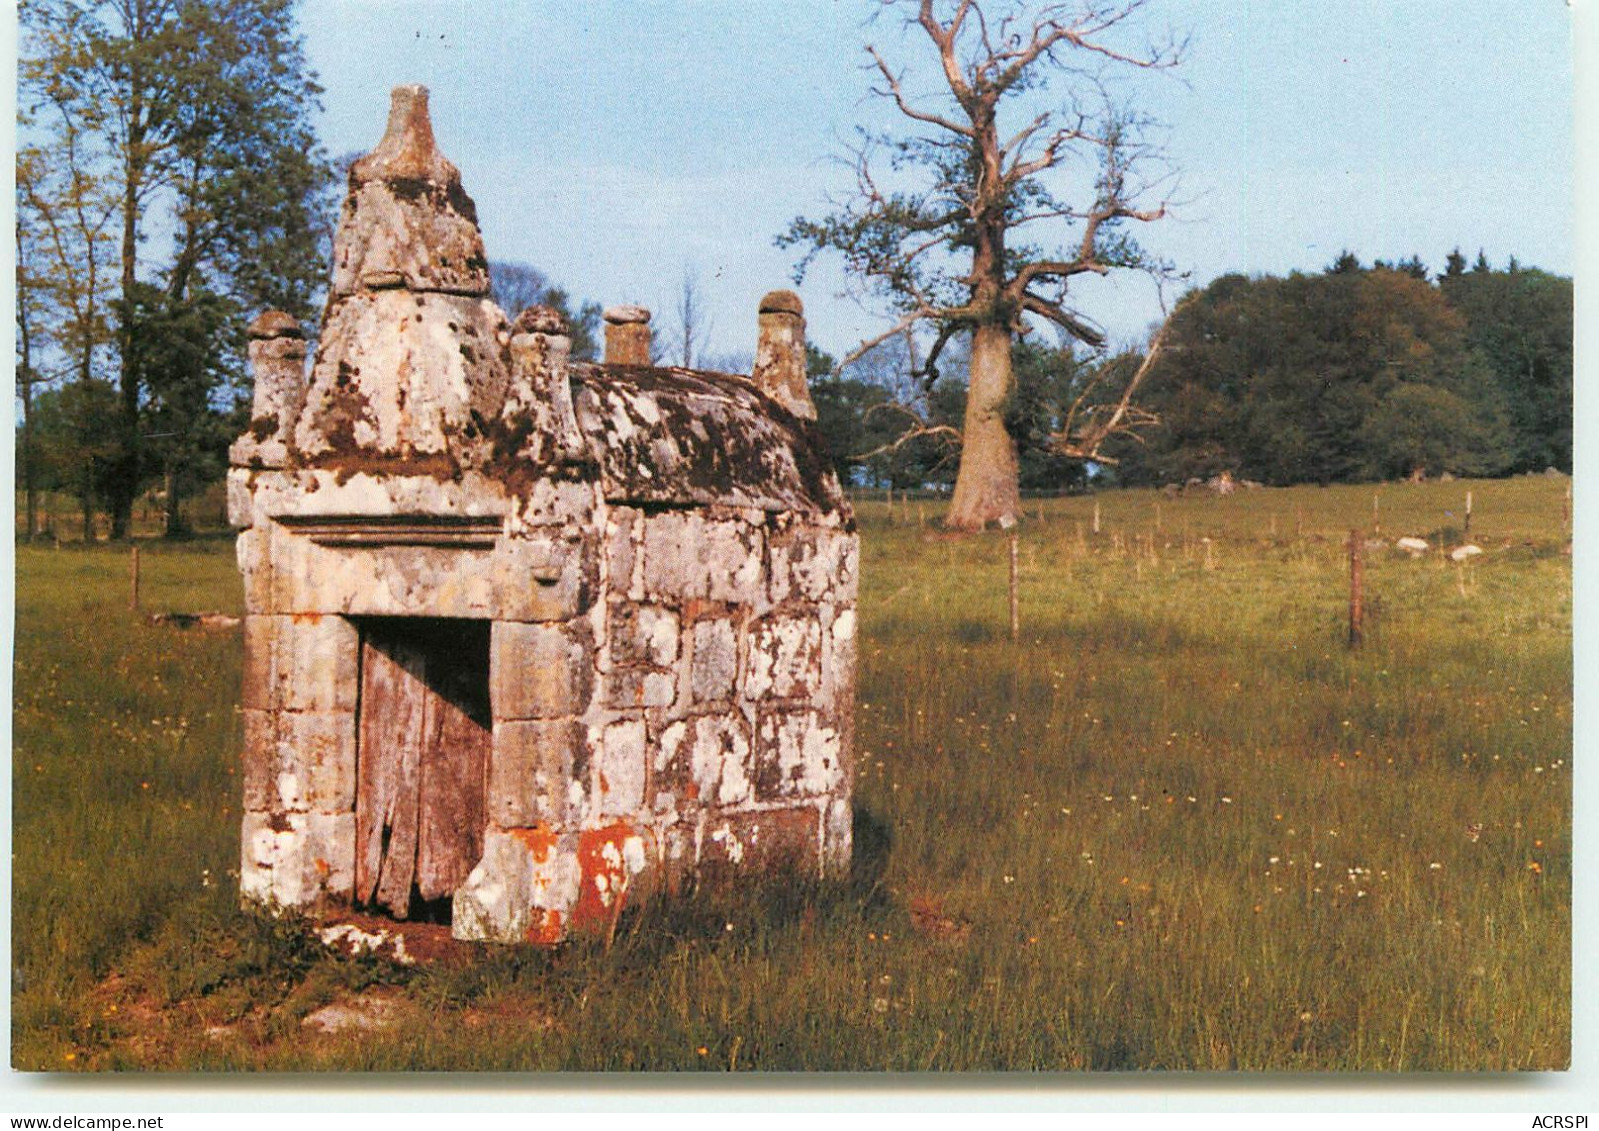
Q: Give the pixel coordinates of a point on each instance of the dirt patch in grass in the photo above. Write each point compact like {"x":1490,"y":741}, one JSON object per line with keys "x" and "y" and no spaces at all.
{"x":406,"y":943}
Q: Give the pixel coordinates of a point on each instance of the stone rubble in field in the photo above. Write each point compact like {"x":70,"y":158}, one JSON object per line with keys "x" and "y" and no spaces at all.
{"x":664,"y":558}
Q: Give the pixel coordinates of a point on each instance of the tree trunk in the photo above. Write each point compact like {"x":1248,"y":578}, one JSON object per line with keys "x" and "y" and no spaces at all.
{"x":986,"y":485}
{"x":173,"y":526}
{"x":125,"y":484}
{"x":25,"y":384}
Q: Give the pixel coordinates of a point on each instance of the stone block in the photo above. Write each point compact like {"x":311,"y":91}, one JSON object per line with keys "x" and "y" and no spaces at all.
{"x":253,"y":550}
{"x":258,"y":763}
{"x":315,"y":761}
{"x":292,"y":859}
{"x":785,"y":658}
{"x":315,"y":662}
{"x":814,"y":563}
{"x":241,"y":497}
{"x":522,"y":890}
{"x":838,"y":821}
{"x":555,"y":502}
{"x":622,"y":527}
{"x":621,"y":768}
{"x":763,"y":842}
{"x":544,"y":579}
{"x":798,"y":756}
{"x":612,"y":860}
{"x":838,"y":661}
{"x":539,"y":671}
{"x":714,"y":661}
{"x":642,"y":634}
{"x":628,"y":688}
{"x":689,"y":556}
{"x":702,"y":761}
{"x":374,"y":579}
{"x":259,"y":691}
{"x":535,"y":773}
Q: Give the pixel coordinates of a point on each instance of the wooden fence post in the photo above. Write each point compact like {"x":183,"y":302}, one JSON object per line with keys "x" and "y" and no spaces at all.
{"x":1356,"y":586}
{"x":1015,"y":578}
{"x":133,"y":587}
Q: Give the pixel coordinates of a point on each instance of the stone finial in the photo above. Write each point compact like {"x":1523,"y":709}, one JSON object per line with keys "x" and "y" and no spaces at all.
{"x":627,"y":335}
{"x":780,"y":353}
{"x":277,"y":368}
{"x":274,"y":324}
{"x":407,"y":151}
{"x":407,"y":222}
{"x":540,"y":320}
{"x":539,"y":391}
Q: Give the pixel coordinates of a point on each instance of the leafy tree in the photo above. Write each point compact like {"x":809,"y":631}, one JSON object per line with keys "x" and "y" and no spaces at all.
{"x":64,"y":249}
{"x":192,"y":117}
{"x":844,"y":407}
{"x":1521,"y":322}
{"x":183,"y":354}
{"x":1344,"y":376}
{"x":75,"y":443}
{"x":1347,"y":263}
{"x":952,"y":247}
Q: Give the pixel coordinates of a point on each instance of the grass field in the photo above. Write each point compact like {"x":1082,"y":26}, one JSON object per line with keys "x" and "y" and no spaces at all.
{"x":1179,"y":824}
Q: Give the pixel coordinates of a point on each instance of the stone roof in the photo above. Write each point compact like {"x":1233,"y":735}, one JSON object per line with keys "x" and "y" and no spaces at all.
{"x":681,"y":437}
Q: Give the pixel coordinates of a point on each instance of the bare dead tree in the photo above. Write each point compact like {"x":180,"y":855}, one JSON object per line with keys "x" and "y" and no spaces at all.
{"x":693,"y":321}
{"x":953,"y":252}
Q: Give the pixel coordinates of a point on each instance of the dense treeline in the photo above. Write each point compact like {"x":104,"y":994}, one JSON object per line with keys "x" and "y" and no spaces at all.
{"x":1361,"y":374}
{"x":1350,"y":374}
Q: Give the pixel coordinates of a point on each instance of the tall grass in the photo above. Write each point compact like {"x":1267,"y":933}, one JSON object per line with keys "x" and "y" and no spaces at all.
{"x":1179,"y":824}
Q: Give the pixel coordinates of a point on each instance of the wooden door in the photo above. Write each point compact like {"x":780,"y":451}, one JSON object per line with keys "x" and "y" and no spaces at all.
{"x":422,"y":759}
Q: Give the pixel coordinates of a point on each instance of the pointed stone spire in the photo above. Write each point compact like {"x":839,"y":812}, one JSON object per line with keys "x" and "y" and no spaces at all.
{"x":407,"y":222}
{"x":412,"y":351}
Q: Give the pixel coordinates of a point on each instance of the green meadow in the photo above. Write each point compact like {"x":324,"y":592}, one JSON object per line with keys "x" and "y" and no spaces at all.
{"x":1178,"y":823}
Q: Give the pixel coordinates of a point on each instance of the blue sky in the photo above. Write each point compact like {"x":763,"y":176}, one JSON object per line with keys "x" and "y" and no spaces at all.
{"x":616,"y":145}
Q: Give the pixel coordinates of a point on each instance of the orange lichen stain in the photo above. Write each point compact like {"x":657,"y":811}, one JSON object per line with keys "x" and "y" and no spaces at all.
{"x":546,"y":929}
{"x":538,"y":839}
{"x":602,"y":863}
{"x":323,"y":868}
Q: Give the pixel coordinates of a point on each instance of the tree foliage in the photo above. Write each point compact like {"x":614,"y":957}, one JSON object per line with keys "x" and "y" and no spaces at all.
{"x":176,"y":183}
{"x":1360,"y":374}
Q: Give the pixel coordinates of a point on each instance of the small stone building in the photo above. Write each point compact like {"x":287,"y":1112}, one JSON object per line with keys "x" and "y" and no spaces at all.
{"x":525,"y":637}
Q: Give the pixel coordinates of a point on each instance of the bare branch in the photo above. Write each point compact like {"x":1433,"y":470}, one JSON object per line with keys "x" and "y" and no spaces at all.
{"x":869,"y":344}
{"x":1087,"y":427}
{"x":898,"y":94}
{"x":1065,"y":319}
{"x":917,"y":428}
{"x":944,"y":38}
